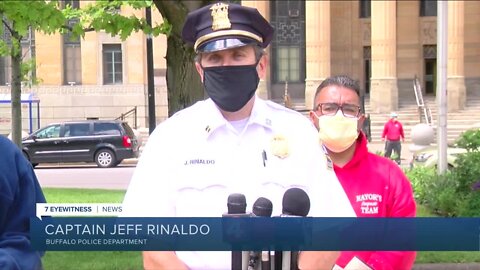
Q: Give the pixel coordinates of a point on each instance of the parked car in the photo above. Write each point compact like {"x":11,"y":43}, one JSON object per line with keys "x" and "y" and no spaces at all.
{"x":428,"y":157}
{"x":104,"y":142}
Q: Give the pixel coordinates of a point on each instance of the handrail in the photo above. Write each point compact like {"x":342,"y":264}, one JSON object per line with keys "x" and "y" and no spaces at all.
{"x":424,"y":112}
{"x":418,"y":91}
{"x":127,"y":114}
{"x":287,"y":102}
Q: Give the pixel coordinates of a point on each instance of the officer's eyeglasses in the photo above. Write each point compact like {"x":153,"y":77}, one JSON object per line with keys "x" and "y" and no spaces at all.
{"x":348,"y":110}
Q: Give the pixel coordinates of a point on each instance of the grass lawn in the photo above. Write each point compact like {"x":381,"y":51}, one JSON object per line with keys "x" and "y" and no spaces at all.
{"x":444,"y":256}
{"x":132,"y":260}
{"x":89,"y":260}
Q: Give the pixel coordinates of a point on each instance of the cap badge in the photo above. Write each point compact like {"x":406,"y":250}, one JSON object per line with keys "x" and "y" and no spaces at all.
{"x":220,"y":17}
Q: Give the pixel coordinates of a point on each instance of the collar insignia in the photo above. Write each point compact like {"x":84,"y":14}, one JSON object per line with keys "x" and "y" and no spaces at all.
{"x":268,"y":122}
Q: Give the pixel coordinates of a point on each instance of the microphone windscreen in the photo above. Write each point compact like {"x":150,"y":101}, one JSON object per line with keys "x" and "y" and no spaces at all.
{"x":262,"y":207}
{"x":295,"y":202}
{"x":237,"y":204}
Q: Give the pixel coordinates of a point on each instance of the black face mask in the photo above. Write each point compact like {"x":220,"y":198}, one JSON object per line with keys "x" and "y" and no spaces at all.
{"x":231,"y":87}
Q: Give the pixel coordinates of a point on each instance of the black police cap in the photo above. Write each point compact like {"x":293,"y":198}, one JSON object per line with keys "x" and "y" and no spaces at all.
{"x":222,"y":26}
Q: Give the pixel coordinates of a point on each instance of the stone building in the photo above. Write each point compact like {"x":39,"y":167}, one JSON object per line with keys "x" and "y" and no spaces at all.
{"x":383,"y":44}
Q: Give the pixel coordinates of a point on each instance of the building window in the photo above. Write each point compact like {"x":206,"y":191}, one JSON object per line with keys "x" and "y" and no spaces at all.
{"x":5,"y":70}
{"x":428,"y":8}
{"x":288,"y":46}
{"x":115,"y":7}
{"x":430,"y":68}
{"x":112,"y":64}
{"x":72,"y":66}
{"x":365,"y":9}
{"x":27,"y":44}
{"x":72,"y":58}
{"x":73,"y":3}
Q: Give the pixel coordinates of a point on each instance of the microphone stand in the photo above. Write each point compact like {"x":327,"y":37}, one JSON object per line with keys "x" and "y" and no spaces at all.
{"x":266,"y":260}
{"x":294,"y":260}
{"x":277,"y":260}
{"x":237,"y":260}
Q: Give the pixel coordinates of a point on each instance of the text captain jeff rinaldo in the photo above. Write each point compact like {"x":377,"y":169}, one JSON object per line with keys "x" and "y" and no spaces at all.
{"x":127,"y":229}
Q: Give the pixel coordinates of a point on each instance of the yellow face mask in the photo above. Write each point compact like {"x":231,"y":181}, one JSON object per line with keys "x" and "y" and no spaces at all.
{"x":337,"y":132}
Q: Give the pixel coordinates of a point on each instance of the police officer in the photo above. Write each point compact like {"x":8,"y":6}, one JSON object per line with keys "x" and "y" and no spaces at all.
{"x":233,"y":142}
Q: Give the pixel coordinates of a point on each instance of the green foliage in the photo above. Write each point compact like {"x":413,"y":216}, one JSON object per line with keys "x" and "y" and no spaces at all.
{"x":97,"y":260}
{"x":467,"y":175}
{"x":436,"y":192}
{"x":43,"y":16}
{"x":445,"y":201}
{"x":467,"y":171}
{"x":104,"y":15}
{"x":89,"y":259}
{"x":420,"y":177}
{"x":469,"y":206}
{"x":446,"y":257}
{"x":77,"y":195}
{"x":469,"y":140}
{"x":456,"y":193}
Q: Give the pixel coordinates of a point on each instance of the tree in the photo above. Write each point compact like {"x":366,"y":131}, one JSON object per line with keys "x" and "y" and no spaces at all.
{"x":18,"y":17}
{"x":183,"y":83}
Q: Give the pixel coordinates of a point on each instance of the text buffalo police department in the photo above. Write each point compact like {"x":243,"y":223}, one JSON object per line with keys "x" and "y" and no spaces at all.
{"x":132,"y":230}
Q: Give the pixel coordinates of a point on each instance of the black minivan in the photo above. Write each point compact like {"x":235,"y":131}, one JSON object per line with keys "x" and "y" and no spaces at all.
{"x":105,"y":142}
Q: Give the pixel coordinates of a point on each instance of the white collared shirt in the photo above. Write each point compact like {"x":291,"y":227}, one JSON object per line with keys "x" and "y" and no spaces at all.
{"x":194,"y":160}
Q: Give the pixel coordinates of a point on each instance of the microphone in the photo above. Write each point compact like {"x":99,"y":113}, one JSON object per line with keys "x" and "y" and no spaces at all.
{"x":295,"y":203}
{"x":261,"y":208}
{"x":237,"y":206}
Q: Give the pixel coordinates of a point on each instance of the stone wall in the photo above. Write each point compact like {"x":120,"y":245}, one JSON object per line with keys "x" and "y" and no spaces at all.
{"x":63,"y":103}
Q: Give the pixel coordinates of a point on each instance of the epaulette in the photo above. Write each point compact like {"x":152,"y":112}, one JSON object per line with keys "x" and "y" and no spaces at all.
{"x":279,"y":107}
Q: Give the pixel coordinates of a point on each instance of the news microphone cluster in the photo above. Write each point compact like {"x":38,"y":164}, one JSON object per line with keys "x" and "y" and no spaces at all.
{"x":295,"y":203}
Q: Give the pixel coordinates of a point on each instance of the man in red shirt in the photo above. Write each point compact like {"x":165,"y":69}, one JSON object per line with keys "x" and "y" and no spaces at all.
{"x":393,"y":133}
{"x":375,"y":186}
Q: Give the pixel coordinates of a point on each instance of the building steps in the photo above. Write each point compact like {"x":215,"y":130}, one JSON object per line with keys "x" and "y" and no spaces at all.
{"x":457,"y":122}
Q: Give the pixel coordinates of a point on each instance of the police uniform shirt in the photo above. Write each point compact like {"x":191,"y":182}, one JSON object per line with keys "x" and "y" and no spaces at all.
{"x":194,"y":160}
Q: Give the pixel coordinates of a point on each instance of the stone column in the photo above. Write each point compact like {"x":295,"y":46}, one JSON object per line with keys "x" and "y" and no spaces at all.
{"x":317,"y":20}
{"x":264,"y":9}
{"x":384,"y":90}
{"x":456,"y":92}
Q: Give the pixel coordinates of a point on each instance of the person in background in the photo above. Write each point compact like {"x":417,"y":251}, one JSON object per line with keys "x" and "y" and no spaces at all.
{"x":392,"y":134}
{"x":366,"y":127}
{"x":375,"y":186}
{"x":233,"y":142}
{"x":19,"y":193}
